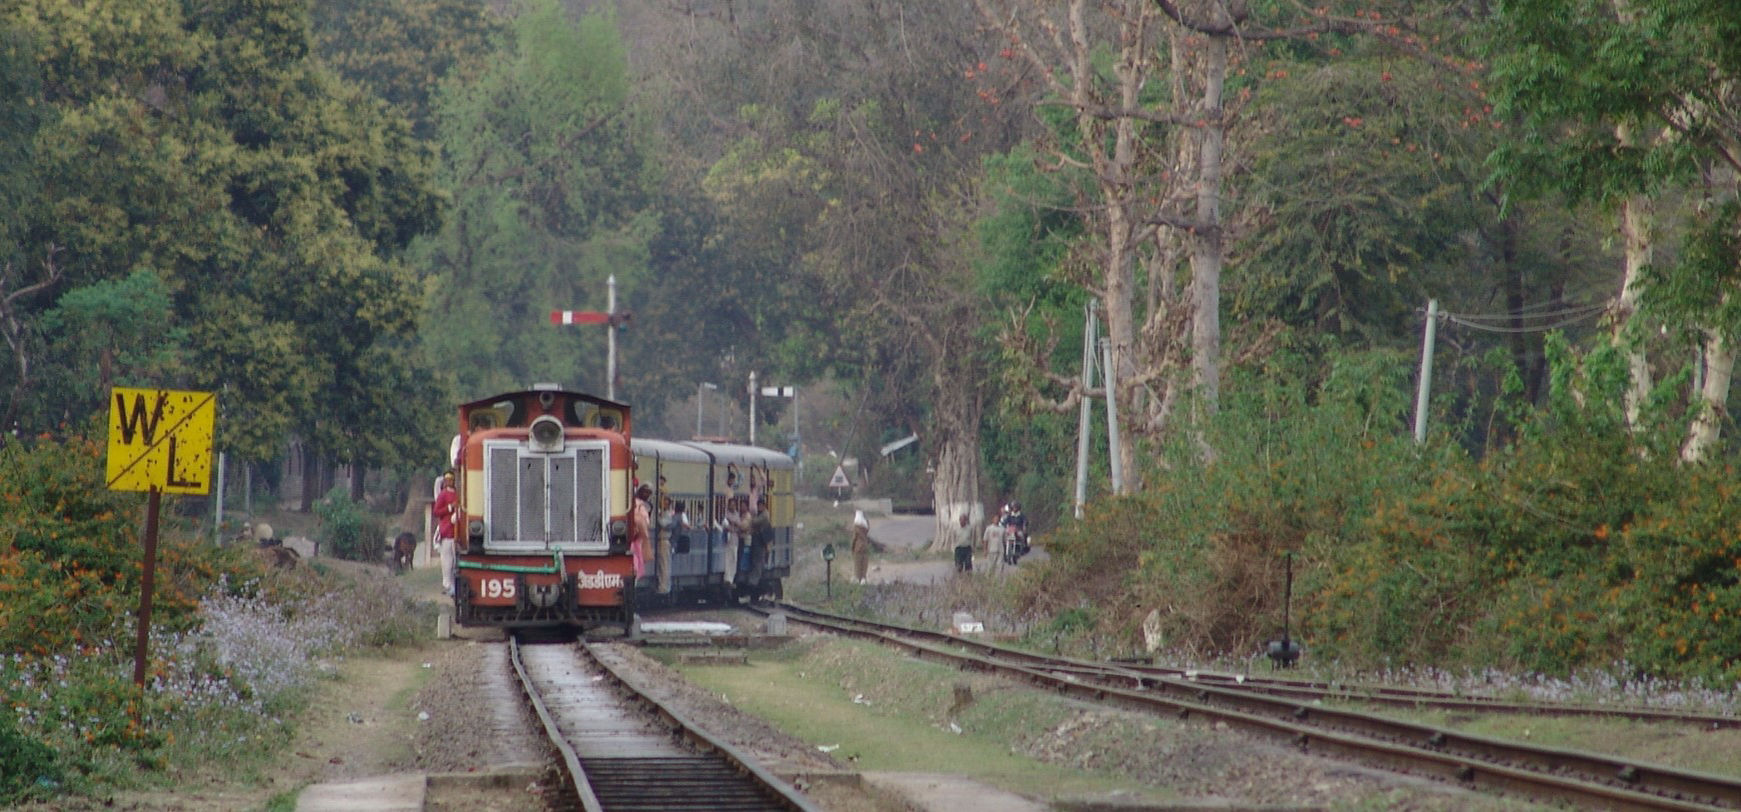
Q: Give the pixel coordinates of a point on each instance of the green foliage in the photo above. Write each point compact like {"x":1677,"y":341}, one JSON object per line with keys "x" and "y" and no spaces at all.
{"x":348,"y":530}
{"x":70,"y":553}
{"x":1300,"y":457}
{"x":200,"y":143}
{"x":1369,"y":188}
{"x":401,"y":50}
{"x":27,"y":766}
{"x":550,"y":167}
{"x":1580,"y":545}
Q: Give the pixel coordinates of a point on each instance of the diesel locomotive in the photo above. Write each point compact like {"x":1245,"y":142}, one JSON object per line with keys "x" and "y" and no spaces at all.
{"x":545,"y":482}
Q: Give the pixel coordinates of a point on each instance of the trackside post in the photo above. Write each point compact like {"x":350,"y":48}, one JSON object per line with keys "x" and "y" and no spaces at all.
{"x":160,"y":441}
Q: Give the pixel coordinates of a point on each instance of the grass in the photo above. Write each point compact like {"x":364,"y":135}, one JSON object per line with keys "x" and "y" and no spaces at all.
{"x":894,"y":714}
{"x":1686,"y":747}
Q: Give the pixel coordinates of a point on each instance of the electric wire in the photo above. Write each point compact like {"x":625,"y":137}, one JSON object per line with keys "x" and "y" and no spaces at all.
{"x":1575,"y":310}
{"x":1542,"y":328}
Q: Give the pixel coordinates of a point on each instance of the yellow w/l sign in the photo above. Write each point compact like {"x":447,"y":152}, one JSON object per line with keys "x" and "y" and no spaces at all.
{"x":161,"y":438}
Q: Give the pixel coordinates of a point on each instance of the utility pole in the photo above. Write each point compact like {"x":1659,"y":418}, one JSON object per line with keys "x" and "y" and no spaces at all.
{"x":1110,"y":376}
{"x":752,"y":407}
{"x":700,"y":399}
{"x":611,"y":339}
{"x":1085,"y":415}
{"x":218,"y":519}
{"x":1426,"y":371}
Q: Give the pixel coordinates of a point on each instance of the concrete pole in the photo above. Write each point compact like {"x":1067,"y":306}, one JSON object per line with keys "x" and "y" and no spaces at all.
{"x":611,"y":339}
{"x":752,"y":407}
{"x":797,"y":442}
{"x":218,"y":518}
{"x":1085,"y":415}
{"x":1110,"y":376}
{"x":1426,"y":371}
{"x":700,"y":393}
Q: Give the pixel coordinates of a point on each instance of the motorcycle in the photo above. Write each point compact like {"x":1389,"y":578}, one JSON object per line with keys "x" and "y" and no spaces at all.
{"x":1015,"y":544}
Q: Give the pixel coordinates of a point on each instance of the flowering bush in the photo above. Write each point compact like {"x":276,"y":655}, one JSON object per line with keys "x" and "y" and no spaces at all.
{"x":232,"y":647}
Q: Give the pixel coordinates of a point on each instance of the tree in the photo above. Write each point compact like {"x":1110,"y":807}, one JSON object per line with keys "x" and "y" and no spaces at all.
{"x":846,"y":134}
{"x":402,"y":50}
{"x":201,"y":143}
{"x":548,"y":160}
{"x":1620,"y":100}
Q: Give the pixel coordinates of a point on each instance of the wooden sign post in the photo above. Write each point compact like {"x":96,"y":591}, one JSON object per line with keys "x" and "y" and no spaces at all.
{"x":160,"y":441}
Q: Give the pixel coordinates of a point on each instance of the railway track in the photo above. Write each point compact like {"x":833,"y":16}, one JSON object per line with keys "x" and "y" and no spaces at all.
{"x":624,"y":751}
{"x":1146,"y":675}
{"x":1541,"y":773}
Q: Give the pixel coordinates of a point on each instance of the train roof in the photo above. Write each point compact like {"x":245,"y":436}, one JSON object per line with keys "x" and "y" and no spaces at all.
{"x":728,"y":452}
{"x":668,"y":450}
{"x":482,"y":403}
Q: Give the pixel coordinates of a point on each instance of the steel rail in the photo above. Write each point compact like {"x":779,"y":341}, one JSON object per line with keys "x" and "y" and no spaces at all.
{"x":570,"y":760}
{"x":1307,"y":689}
{"x":1410,"y":747}
{"x":784,"y":793}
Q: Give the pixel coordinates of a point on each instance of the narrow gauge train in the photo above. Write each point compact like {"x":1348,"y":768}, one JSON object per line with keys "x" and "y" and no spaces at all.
{"x":545,"y":481}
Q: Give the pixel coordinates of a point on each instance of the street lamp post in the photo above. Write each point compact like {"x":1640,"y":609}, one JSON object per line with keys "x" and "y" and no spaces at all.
{"x":701,"y":398}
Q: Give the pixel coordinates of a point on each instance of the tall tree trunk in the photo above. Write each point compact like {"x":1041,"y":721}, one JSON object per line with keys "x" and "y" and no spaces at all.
{"x":1713,"y":402}
{"x":1635,"y":230}
{"x":358,"y":473}
{"x":1206,"y":242}
{"x":955,"y":490}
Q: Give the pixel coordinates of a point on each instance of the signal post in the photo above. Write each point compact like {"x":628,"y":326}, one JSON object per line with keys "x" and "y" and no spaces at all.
{"x":160,"y":441}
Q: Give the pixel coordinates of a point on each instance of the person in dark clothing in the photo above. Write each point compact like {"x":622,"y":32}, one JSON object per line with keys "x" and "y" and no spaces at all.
{"x":761,"y":540}
{"x":964,"y":547}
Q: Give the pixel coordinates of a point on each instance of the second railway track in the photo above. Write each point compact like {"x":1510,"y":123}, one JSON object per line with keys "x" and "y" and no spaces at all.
{"x":624,"y":751}
{"x":1549,"y":774}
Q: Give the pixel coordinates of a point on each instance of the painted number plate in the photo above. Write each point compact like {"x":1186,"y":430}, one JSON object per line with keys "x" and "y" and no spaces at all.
{"x":496,"y":588}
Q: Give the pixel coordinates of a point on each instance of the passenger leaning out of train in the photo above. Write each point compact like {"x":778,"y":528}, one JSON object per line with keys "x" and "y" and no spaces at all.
{"x":761,"y":527}
{"x":738,"y":522}
{"x":639,"y":524}
{"x":444,"y":508}
{"x":671,"y":522}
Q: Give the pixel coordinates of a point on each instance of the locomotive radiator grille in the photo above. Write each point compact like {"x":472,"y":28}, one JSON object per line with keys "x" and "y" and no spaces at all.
{"x":504,"y":493}
{"x":589,"y":491}
{"x":538,"y":499}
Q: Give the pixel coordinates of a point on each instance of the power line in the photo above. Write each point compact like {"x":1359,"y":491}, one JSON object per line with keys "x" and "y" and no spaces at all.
{"x":1577,"y":310}
{"x":1456,"y":319}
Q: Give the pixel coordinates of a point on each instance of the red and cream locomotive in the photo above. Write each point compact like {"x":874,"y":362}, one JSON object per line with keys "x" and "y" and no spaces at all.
{"x":544,"y":506}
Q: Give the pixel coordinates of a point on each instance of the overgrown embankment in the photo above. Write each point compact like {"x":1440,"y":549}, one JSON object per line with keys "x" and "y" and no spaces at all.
{"x":233,"y":649}
{"x":1568,"y":542}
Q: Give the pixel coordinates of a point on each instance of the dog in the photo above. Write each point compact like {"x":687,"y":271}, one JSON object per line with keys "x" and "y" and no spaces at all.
{"x":404,"y":545}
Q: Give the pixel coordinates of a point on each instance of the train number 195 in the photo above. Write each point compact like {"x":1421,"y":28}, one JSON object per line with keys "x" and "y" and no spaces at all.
{"x":496,"y":588}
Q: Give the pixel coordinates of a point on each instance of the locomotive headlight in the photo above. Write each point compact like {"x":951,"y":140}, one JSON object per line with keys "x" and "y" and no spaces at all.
{"x":619,"y":527}
{"x":547,"y":434}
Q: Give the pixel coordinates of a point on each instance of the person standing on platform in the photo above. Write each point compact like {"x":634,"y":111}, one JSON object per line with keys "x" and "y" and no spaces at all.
{"x":445,"y":507}
{"x":861,"y":546}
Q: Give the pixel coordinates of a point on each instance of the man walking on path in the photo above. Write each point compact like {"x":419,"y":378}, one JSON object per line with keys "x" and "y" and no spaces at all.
{"x":993,"y":542}
{"x":964,"y":547}
{"x":861,"y":544}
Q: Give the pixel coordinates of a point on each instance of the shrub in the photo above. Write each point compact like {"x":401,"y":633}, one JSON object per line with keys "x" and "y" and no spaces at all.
{"x":27,"y":766}
{"x":350,"y":531}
